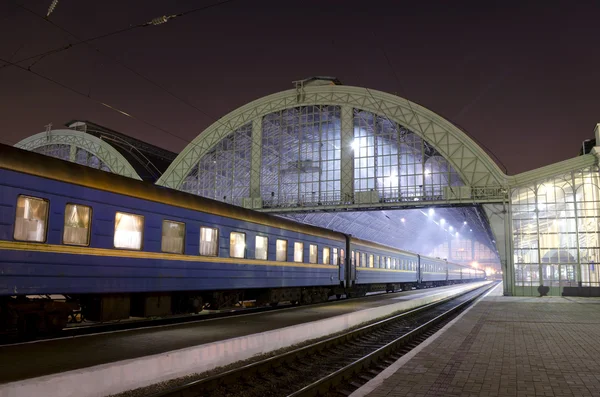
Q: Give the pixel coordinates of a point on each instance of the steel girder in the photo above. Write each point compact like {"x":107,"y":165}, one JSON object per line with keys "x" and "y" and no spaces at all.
{"x":78,"y":139}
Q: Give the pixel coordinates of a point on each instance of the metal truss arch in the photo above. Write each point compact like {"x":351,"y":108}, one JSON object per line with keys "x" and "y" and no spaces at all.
{"x":472,"y":163}
{"x":73,"y":140}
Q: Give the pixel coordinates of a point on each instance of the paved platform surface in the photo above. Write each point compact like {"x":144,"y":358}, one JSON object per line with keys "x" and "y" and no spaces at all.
{"x":32,"y":360}
{"x":505,"y":346}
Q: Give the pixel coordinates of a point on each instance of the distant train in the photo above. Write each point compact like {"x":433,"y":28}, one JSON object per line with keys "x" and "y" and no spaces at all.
{"x":114,"y":247}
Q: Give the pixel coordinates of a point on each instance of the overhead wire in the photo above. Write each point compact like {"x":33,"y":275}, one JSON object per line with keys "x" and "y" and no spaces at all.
{"x":114,"y":59}
{"x":153,"y":22}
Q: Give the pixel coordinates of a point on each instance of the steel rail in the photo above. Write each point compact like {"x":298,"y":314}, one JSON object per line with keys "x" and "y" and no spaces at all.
{"x":212,"y":383}
{"x":329,"y":382}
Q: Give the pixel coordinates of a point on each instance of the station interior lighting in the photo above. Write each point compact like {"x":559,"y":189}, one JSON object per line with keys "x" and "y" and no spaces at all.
{"x":402,"y":220}
{"x":451,"y":228}
{"x":431,"y":212}
{"x":442,"y":221}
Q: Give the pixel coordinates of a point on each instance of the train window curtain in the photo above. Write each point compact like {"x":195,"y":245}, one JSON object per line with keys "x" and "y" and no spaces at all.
{"x":129,"y":229}
{"x":77,"y":225}
{"x":31,"y":220}
{"x":173,"y":236}
{"x":209,"y":241}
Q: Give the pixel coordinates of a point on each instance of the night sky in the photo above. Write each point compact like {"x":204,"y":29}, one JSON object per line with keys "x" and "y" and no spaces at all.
{"x":522,"y":79}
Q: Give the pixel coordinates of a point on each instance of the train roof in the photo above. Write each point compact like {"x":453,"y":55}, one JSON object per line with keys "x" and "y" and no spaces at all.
{"x":19,"y":160}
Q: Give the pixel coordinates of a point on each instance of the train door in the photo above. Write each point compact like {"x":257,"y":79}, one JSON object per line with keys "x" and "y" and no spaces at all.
{"x":419,"y":269}
{"x":341,"y":259}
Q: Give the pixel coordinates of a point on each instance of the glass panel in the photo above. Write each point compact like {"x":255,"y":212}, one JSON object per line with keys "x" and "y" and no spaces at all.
{"x":281,"y":248}
{"x":371,"y":260}
{"x":31,"y":219}
{"x":237,"y":245}
{"x":335,"y":256}
{"x":363,"y":259}
{"x":261,"y":247}
{"x":377,"y":261}
{"x":209,"y":241}
{"x":326,"y":257}
{"x":129,"y":229}
{"x":357,"y":259}
{"x":387,"y":262}
{"x":298,"y":252}
{"x":173,"y":236}
{"x":313,"y":253}
{"x":77,"y":224}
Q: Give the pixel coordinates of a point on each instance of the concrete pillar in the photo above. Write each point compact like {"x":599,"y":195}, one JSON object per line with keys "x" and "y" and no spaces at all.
{"x":256,"y":158}
{"x":347,"y":154}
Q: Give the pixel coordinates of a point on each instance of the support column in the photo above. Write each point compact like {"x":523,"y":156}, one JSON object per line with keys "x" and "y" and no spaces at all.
{"x":73,"y":153}
{"x":347,"y":153}
{"x":508,"y":273}
{"x":256,"y":158}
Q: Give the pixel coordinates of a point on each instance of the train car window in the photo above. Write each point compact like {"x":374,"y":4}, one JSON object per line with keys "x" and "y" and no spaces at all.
{"x":77,"y":224}
{"x":31,"y":219}
{"x":237,"y":245}
{"x":335,"y":256}
{"x":298,"y":252}
{"x":261,"y":247}
{"x":376,"y":261}
{"x":357,"y":259}
{"x":371,"y":260}
{"x":281,"y":250}
{"x":209,"y":241}
{"x":313,"y":252}
{"x":363,"y":259}
{"x":129,"y":231}
{"x":326,"y":257}
{"x":387,"y":262}
{"x":395,"y":264}
{"x":173,"y":236}
{"x":352,"y":258}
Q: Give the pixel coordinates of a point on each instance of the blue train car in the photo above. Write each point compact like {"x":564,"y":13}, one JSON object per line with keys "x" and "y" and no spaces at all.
{"x":381,"y":268}
{"x":116,"y":247}
{"x":108,"y":241}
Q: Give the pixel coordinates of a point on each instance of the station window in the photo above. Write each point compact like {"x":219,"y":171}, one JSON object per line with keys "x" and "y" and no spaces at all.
{"x":335,"y":256}
{"x":129,"y":231}
{"x":281,"y":250}
{"x":261,"y":246}
{"x":209,"y":241}
{"x":313,"y":253}
{"x":371,"y":260}
{"x":77,"y":224}
{"x":237,"y":245}
{"x":326,"y":258}
{"x":31,"y":219}
{"x":298,"y":252}
{"x":173,"y":236}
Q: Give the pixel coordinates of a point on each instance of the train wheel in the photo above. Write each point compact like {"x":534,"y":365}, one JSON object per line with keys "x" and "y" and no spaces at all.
{"x":338,"y":296}
{"x":273,"y":304}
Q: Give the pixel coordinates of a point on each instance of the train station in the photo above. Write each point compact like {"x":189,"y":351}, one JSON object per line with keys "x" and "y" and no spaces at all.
{"x":474,"y":282}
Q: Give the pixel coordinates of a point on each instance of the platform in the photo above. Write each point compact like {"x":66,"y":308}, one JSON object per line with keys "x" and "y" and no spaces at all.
{"x":504,"y":346}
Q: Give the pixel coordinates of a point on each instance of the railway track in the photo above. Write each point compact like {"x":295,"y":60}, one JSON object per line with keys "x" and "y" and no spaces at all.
{"x":336,"y":366}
